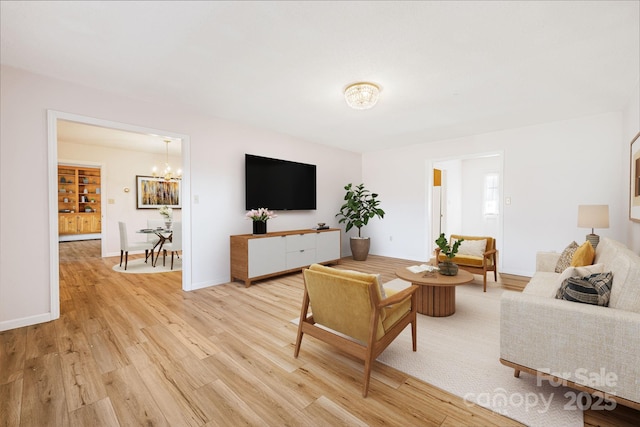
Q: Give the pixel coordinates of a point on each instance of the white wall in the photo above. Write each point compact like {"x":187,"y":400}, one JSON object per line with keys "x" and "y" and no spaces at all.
{"x":474,"y":222}
{"x":217,"y":150}
{"x":549,"y":170}
{"x":630,"y":128}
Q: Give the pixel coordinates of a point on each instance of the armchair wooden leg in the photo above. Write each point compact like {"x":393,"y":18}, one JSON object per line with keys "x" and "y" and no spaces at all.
{"x":414,"y":328}
{"x":303,"y":315}
{"x":126,"y":259}
{"x":296,"y":352}
{"x":121,"y":254}
{"x":485,"y":281}
{"x":367,"y":373}
{"x":516,"y":373}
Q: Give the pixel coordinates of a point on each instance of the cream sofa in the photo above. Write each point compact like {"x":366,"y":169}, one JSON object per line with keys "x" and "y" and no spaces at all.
{"x":587,"y":347}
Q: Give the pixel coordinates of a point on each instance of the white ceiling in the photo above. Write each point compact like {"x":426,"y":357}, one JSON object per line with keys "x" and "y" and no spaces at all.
{"x":447,"y":69}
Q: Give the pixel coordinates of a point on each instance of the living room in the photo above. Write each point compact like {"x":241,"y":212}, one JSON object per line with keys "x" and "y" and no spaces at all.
{"x":549,"y":169}
{"x":551,"y":163}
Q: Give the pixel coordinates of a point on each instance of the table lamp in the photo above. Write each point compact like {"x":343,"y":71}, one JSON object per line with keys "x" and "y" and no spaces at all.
{"x":593,"y":216}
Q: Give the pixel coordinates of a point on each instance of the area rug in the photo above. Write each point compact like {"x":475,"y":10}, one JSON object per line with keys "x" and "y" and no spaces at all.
{"x":138,"y":266}
{"x":460,"y":354}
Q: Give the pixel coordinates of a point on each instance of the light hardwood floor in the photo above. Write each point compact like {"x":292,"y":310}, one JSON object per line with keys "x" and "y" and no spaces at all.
{"x":134,"y":349}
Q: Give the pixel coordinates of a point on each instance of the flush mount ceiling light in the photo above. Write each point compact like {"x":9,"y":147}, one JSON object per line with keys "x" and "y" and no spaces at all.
{"x":362,"y":96}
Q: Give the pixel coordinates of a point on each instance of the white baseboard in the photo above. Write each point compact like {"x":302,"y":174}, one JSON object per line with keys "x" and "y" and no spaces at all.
{"x":74,"y":237}
{"x":25,"y":321}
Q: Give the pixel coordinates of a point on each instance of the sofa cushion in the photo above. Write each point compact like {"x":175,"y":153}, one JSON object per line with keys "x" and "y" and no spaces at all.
{"x":565,"y":258}
{"x":625,"y":266}
{"x":464,"y":260}
{"x":583,"y":255}
{"x":594,"y":289}
{"x":543,"y":284}
{"x":395,"y":312}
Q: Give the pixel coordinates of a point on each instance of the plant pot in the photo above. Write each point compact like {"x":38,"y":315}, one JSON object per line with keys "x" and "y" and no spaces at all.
{"x":167,"y":225}
{"x":448,"y":268}
{"x":259,"y":227}
{"x":360,"y":248}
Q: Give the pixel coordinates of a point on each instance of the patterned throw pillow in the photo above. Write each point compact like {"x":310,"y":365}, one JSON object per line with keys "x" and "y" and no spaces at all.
{"x":594,"y":289}
{"x":565,"y":258}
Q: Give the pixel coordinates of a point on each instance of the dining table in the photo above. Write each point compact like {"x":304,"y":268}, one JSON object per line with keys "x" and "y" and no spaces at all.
{"x":163,"y":234}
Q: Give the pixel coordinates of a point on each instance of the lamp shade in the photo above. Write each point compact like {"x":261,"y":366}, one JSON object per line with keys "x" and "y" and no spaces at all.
{"x":593,"y":216}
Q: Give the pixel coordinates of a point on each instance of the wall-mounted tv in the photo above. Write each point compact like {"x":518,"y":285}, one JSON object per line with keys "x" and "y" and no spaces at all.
{"x":279,"y":184}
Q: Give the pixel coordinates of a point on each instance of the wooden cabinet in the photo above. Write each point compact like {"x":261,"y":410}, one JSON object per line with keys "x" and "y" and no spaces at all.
{"x":89,"y":223}
{"x":79,"y":200}
{"x":67,"y":224}
{"x":258,"y":256}
{"x":82,"y":223}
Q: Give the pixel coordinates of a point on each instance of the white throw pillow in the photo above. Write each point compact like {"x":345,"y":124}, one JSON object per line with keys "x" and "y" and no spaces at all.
{"x":472,"y":247}
{"x":580,"y":272}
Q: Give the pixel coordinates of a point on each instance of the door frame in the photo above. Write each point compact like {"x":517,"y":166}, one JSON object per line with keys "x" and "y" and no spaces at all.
{"x":52,"y":140}
{"x":431,"y":165}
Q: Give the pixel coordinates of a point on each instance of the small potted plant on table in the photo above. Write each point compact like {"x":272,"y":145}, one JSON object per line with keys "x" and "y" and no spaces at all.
{"x":448,"y":267}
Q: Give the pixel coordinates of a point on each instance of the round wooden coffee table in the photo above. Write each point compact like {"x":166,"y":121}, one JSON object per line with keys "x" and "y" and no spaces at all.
{"x":436,"y":293}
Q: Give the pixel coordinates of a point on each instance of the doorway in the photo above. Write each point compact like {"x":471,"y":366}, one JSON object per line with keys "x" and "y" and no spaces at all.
{"x":465,"y":194}
{"x":53,"y":118}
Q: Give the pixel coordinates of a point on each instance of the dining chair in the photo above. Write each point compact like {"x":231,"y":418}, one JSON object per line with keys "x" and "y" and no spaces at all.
{"x":174,"y":245}
{"x":125,"y":246}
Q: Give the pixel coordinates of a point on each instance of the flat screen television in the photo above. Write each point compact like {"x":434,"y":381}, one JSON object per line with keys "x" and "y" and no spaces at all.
{"x":279,"y":184}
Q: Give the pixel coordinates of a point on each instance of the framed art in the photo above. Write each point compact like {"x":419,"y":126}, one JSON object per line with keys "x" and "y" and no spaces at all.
{"x":152,"y":192}
{"x":634,"y":193}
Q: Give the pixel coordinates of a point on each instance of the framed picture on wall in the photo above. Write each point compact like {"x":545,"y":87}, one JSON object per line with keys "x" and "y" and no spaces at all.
{"x":634,"y":201}
{"x":152,"y":192}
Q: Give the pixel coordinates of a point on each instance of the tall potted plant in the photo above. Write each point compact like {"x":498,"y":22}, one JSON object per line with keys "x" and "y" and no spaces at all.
{"x":360,"y":206}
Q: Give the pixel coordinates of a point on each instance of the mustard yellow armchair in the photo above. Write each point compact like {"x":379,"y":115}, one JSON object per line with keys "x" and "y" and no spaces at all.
{"x":352,"y":304}
{"x":479,"y":263}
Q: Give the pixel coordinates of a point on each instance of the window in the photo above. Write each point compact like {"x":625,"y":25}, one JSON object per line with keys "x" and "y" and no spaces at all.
{"x":491,"y":195}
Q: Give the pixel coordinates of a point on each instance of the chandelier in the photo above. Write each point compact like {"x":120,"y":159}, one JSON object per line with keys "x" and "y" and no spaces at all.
{"x":167,"y":173}
{"x":362,"y":96}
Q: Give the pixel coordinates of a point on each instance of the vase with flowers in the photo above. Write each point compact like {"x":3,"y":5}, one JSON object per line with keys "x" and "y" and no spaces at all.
{"x":260,"y":217}
{"x":167,"y":213}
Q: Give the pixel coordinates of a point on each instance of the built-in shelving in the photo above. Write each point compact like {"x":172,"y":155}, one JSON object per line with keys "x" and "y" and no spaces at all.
{"x":79,"y":200}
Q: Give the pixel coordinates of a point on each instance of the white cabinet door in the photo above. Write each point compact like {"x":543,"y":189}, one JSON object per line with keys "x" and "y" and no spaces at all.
{"x":327,"y":246}
{"x":301,"y":258}
{"x":301,"y":250}
{"x":296,"y":242}
{"x":266,"y":255}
